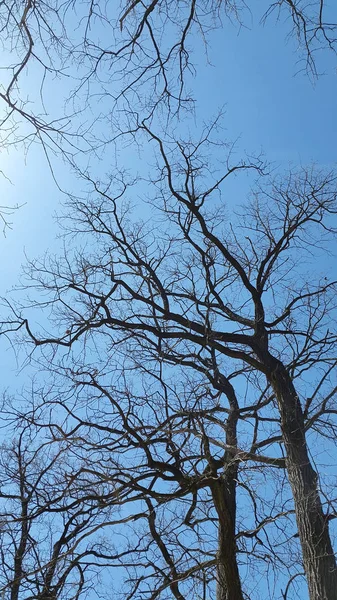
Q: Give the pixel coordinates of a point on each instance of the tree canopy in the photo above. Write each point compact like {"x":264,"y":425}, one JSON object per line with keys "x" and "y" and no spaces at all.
{"x":182,"y":346}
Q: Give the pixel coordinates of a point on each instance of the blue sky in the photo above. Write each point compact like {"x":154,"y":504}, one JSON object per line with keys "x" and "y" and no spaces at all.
{"x":287,"y":115}
{"x":269,"y":105}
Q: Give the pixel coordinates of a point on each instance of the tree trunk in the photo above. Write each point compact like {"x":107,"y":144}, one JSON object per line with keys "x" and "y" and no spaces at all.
{"x":318,"y":556}
{"x":228,"y":586}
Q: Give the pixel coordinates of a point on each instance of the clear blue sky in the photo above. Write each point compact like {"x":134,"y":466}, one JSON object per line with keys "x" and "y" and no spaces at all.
{"x":268,"y":108}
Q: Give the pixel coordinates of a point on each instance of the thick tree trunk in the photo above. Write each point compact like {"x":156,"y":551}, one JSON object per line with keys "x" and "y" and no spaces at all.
{"x":318,"y":556}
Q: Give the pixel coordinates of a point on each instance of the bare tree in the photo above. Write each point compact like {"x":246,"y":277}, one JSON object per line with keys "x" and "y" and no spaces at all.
{"x":227,"y":298}
{"x":160,"y":454}
{"x":135,"y":57}
{"x":50,"y":519}
{"x":198,"y":354}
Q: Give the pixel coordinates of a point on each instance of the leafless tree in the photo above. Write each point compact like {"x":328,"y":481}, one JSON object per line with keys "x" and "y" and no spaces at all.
{"x":135,"y":57}
{"x":50,"y":520}
{"x":194,"y":358}
{"x":230,"y":301}
{"x":160,"y":455}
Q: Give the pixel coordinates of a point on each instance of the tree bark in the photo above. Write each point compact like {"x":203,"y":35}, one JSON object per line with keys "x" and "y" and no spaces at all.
{"x":228,"y":586}
{"x":313,"y":528}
